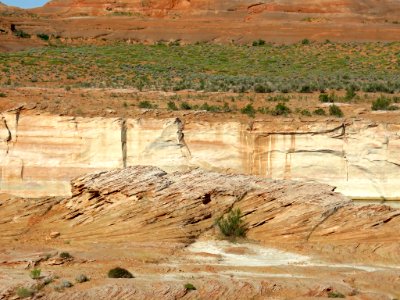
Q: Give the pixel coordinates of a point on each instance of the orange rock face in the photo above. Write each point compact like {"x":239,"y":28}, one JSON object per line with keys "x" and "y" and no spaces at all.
{"x":163,"y":7}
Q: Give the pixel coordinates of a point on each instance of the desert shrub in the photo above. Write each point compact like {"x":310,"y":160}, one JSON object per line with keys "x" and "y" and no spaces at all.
{"x":48,"y":280}
{"x":264,"y":110}
{"x":66,"y":284}
{"x":334,"y":294}
{"x":43,"y":36}
{"x":172,"y":106}
{"x":81,"y":278}
{"x":190,"y":287}
{"x":378,"y":87}
{"x":305,"y":42}
{"x":65,"y":255}
{"x":259,"y":88}
{"x":350,"y":93}
{"x":3,"y":95}
{"x":306,"y":89}
{"x":335,"y":110}
{"x":278,"y":98}
{"x":119,"y":273}
{"x":319,"y":112}
{"x":258,"y":43}
{"x":23,"y":292}
{"x":145,"y":104}
{"x":22,"y":34}
{"x":325,"y":98}
{"x":305,"y":112}
{"x":185,"y":106}
{"x":383,"y":103}
{"x":233,"y":225}
{"x":281,"y":110}
{"x":35,"y":273}
{"x":249,"y":110}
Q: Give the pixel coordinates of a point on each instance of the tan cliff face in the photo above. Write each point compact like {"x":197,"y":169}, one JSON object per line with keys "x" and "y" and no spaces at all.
{"x":41,"y":153}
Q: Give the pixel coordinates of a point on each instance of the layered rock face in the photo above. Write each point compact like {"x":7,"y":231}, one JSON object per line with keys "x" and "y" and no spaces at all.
{"x":180,"y":206}
{"x":41,"y":153}
{"x":164,"y":7}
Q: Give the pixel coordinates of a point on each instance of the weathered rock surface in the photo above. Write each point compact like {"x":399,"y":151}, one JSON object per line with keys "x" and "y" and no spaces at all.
{"x":142,"y":218}
{"x":41,"y":153}
{"x":180,"y":206}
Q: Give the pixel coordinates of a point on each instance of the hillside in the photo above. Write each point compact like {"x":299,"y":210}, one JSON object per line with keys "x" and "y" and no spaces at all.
{"x":164,"y":7}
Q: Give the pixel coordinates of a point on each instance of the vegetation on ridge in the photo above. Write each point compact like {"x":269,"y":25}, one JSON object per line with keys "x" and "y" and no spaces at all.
{"x":302,"y":67}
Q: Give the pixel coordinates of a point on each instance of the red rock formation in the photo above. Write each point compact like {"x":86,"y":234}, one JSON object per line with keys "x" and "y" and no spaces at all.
{"x":158,"y":8}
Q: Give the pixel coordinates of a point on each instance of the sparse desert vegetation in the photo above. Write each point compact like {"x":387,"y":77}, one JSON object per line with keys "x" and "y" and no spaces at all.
{"x":303,"y":67}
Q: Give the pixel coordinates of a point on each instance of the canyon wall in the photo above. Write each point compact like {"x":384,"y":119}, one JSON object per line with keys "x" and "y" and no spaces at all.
{"x":40,"y":154}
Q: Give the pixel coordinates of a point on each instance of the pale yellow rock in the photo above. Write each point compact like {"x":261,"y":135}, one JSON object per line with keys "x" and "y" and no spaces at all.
{"x":40,"y":154}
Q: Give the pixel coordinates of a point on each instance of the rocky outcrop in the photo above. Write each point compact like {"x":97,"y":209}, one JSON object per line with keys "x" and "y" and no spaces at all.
{"x":148,"y":204}
{"x":40,"y":154}
{"x":143,"y":219}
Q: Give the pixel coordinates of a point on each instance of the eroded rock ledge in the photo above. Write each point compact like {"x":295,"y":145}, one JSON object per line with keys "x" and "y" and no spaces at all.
{"x":147,"y":204}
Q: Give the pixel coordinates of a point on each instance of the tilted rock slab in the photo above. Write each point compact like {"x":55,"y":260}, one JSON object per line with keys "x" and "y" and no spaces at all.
{"x":146,"y":204}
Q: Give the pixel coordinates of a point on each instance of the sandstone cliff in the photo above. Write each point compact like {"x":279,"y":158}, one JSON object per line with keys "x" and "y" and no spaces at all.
{"x":164,"y":7}
{"x":41,"y":153}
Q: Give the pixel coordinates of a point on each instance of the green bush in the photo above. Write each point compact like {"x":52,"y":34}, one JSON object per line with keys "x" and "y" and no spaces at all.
{"x":172,"y":106}
{"x":259,"y":88}
{"x":335,"y":110}
{"x":383,"y":103}
{"x":65,"y":255}
{"x":186,"y":106}
{"x":350,"y":93}
{"x":43,"y":36}
{"x":249,"y":110}
{"x":305,"y":42}
{"x":319,"y":112}
{"x":23,"y":292}
{"x":325,"y":98}
{"x":145,"y":104}
{"x":281,"y":110}
{"x":190,"y":287}
{"x":119,"y":273}
{"x":22,"y":34}
{"x":232,"y":225}
{"x":335,"y":295}
{"x":3,"y":95}
{"x":306,"y":89}
{"x":305,"y":112}
{"x":35,"y":273}
{"x":258,"y":43}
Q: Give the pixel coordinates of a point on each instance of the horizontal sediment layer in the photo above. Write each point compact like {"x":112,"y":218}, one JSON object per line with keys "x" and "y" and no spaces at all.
{"x":42,"y":153}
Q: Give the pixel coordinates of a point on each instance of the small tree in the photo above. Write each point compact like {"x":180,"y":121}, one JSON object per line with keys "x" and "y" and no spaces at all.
{"x":249,"y":110}
{"x":233,"y":225}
